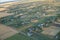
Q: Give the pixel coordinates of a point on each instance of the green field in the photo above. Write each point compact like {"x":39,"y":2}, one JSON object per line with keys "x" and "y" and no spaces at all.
{"x":34,"y":37}
{"x":19,"y":37}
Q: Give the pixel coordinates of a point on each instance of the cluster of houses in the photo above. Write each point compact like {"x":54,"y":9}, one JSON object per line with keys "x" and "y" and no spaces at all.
{"x":40,"y":25}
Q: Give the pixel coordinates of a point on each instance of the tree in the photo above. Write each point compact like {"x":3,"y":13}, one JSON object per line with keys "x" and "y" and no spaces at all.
{"x":58,"y":36}
{"x":58,"y":16}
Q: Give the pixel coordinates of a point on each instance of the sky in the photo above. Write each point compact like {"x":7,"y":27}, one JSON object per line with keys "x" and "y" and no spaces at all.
{"x":5,"y":0}
{"x":20,"y":0}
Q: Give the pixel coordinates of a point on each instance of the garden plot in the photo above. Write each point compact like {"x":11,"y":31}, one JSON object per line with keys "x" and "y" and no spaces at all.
{"x":51,"y":31}
{"x":6,"y":32}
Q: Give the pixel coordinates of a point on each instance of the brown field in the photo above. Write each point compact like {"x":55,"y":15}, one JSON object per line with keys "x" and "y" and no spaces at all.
{"x":2,"y":9}
{"x":8,"y":4}
{"x":6,"y":32}
{"x":4,"y":14}
{"x":51,"y":31}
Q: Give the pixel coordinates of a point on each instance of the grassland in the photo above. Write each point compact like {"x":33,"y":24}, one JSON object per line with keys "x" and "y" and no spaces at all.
{"x":19,"y":37}
{"x":23,"y":37}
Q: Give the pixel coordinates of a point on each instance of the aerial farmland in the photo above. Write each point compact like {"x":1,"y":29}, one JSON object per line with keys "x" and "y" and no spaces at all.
{"x":37,"y":20}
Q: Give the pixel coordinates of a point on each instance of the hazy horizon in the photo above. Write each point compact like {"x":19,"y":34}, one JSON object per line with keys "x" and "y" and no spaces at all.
{"x":6,"y":0}
{"x":19,"y":0}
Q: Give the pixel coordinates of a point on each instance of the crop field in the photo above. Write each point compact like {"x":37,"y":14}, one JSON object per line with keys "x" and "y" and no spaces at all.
{"x":51,"y":30}
{"x":6,"y":32}
{"x":4,"y":15}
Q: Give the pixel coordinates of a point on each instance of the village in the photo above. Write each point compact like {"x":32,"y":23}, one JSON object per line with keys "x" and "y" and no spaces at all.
{"x":30,"y":21}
